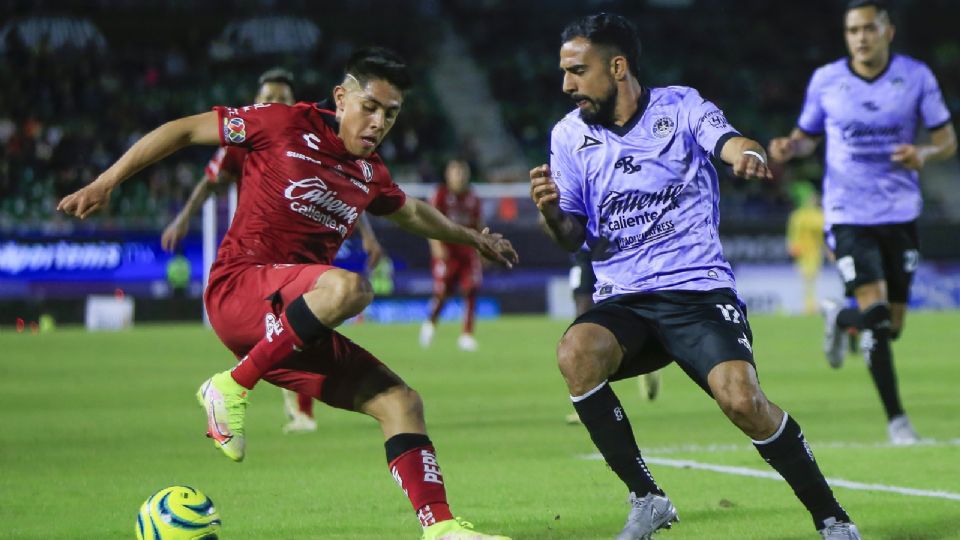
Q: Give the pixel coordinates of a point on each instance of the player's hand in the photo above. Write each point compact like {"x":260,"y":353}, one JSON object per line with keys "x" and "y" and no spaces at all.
{"x":543,"y":190}
{"x":752,"y":168}
{"x":909,"y":156}
{"x":781,"y":149}
{"x":87,"y":200}
{"x":495,"y":247}
{"x":374,"y":251}
{"x":173,"y":234}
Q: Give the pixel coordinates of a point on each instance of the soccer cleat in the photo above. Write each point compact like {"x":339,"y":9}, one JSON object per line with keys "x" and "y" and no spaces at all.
{"x":573,"y":418}
{"x":840,"y":531}
{"x":225,"y":403}
{"x":426,"y":334}
{"x":300,"y":423}
{"x":650,"y":385}
{"x":456,"y":529}
{"x":833,"y":346}
{"x":901,"y":431}
{"x":466,"y":342}
{"x":648,"y":515}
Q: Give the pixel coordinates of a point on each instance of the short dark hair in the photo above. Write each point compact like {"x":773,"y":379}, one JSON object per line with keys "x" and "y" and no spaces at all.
{"x":879,"y":5}
{"x":610,"y":30}
{"x":276,"y":75}
{"x":379,"y":63}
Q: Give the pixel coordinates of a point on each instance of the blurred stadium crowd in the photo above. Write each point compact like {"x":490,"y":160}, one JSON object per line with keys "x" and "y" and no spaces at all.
{"x":83,"y":79}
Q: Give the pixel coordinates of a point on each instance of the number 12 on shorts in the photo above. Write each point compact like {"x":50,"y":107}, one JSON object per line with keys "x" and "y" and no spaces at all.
{"x":729,"y":312}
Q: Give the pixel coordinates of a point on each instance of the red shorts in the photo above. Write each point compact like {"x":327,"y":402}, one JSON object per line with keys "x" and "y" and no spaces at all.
{"x":336,"y":371}
{"x":466,"y":271}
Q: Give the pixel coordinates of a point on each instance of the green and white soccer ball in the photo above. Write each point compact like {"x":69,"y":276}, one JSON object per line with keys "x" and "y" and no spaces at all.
{"x":178,"y":513}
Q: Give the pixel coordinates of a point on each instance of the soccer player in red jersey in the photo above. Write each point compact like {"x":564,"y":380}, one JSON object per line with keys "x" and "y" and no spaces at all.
{"x":273,"y":298}
{"x":225,"y":168}
{"x":455,"y":263}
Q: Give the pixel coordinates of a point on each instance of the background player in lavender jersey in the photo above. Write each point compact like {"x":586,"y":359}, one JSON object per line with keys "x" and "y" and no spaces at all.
{"x":225,"y":168}
{"x":868,"y":107}
{"x":630,"y":175}
{"x":274,"y":299}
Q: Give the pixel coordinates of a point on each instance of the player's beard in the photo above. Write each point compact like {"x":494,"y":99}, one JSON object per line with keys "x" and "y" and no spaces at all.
{"x":603,"y":109}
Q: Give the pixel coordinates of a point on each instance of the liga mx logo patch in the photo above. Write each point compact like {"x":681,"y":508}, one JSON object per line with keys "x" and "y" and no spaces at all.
{"x":234,"y":130}
{"x":663,"y":127}
{"x":366,"y":168}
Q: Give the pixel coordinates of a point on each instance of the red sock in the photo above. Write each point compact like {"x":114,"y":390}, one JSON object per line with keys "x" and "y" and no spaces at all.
{"x":305,"y":404}
{"x":418,"y":474}
{"x":279,"y":343}
{"x":469,"y":311}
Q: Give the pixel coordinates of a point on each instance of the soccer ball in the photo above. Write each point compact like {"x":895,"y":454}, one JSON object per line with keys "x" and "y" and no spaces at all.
{"x":178,"y":513}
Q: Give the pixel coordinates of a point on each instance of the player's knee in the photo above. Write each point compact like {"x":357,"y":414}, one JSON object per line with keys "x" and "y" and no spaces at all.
{"x":742,"y":407}
{"x":352,"y":292}
{"x":581,"y":364}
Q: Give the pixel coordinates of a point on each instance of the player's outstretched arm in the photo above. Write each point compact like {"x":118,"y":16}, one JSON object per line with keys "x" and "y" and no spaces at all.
{"x":943,"y":145}
{"x":424,"y":220}
{"x":747,"y":157}
{"x":797,"y":145}
{"x":154,"y":146}
{"x":566,"y":230}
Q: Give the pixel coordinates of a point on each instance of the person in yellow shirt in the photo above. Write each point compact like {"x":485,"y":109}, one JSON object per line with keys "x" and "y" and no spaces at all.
{"x":805,"y":241}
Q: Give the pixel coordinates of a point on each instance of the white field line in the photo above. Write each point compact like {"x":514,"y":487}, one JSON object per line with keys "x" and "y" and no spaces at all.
{"x":718,"y":448}
{"x":770,"y":475}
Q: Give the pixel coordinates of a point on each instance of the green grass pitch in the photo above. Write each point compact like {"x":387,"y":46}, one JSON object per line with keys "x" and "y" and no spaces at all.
{"x":91,"y":424}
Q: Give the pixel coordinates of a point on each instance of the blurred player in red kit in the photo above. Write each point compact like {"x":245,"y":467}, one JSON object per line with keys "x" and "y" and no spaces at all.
{"x":225,"y":168}
{"x":455,"y":264}
{"x":274,"y":299}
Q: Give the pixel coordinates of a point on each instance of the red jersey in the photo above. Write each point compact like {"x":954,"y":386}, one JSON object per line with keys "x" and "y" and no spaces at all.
{"x":228,"y":159}
{"x":303,"y":193}
{"x":462,"y":209}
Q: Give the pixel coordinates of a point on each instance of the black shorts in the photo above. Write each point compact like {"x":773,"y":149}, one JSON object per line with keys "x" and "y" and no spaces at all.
{"x":582,"y":278}
{"x":697,"y":329}
{"x":868,"y":253}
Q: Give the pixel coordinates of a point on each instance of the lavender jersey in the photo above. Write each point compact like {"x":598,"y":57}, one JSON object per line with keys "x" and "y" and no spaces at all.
{"x":647,"y":193}
{"x":863,"y":121}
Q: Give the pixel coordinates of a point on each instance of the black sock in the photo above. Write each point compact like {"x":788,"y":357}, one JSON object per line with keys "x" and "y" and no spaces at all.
{"x":879,"y":358}
{"x":603,"y":416}
{"x":789,"y":454}
{"x":401,"y":443}
{"x":848,"y":318}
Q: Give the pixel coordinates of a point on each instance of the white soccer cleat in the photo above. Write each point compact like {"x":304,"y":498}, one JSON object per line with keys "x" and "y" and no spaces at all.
{"x":833,"y":345}
{"x":466,"y":342}
{"x":901,"y":431}
{"x":426,"y":334}
{"x":648,"y":514}
{"x":300,"y":423}
{"x":840,"y":531}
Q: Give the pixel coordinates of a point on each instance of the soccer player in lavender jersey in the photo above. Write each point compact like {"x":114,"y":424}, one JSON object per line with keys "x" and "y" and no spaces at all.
{"x":225,"y":168}
{"x":630,"y":175}
{"x":868,"y":107}
{"x":273,"y":299}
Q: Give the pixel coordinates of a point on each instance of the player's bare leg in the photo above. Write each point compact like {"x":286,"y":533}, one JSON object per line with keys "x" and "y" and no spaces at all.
{"x":466,"y":341}
{"x":336,"y":295}
{"x":778,"y":438}
{"x":429,"y":326}
{"x":879,"y":328}
{"x":411,"y":457}
{"x":588,"y":354}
